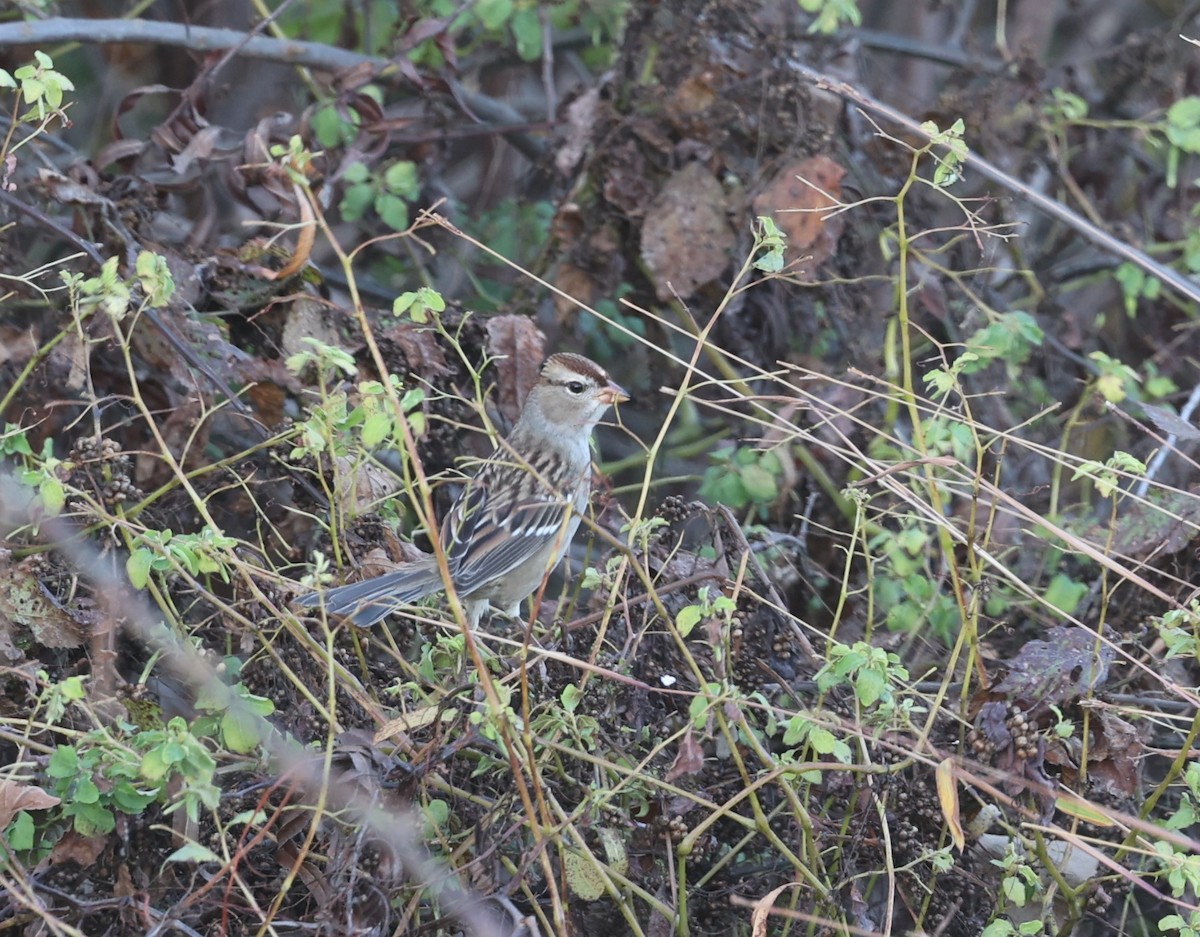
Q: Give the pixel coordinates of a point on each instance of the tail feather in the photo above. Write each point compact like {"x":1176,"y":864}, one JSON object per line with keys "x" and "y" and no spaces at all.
{"x":371,"y":600}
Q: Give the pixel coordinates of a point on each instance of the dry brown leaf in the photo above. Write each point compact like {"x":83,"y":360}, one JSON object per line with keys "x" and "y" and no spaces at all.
{"x":689,"y":759}
{"x":575,"y":282}
{"x":82,"y":850}
{"x":1171,"y":423}
{"x":361,"y":487}
{"x":694,"y":95}
{"x":409,"y":722}
{"x":947,"y":791}
{"x":625,"y":184}
{"x":199,"y":148}
{"x":17,"y":345}
{"x":763,"y":907}
{"x":17,"y":797}
{"x":1114,"y":757}
{"x":1162,"y":525}
{"x":798,"y":199}
{"x":520,"y":347}
{"x":581,"y":117}
{"x":686,"y":238}
{"x":425,"y":357}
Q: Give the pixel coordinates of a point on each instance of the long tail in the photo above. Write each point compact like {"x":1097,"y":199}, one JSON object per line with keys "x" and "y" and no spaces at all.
{"x":370,"y":601}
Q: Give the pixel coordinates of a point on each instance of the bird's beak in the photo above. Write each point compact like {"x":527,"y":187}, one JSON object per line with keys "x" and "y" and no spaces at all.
{"x":613,"y":393}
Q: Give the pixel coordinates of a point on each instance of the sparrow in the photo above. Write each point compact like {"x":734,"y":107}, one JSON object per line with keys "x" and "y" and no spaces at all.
{"x":514,"y":520}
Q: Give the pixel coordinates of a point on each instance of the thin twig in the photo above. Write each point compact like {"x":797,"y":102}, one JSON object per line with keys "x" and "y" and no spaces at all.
{"x":1172,"y":278}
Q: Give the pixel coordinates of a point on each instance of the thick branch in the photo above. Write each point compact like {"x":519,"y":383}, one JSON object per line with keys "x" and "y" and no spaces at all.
{"x":197,"y":38}
{"x":284,"y":51}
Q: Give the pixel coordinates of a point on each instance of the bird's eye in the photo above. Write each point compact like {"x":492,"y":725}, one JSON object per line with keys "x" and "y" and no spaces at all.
{"x":575,"y":387}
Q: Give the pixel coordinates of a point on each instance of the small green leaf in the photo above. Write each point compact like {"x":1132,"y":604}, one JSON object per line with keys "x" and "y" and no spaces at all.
{"x":131,"y":800}
{"x":241,"y":731}
{"x":437,"y":813}
{"x":356,"y":172}
{"x":401,"y":179}
{"x":1065,"y":593}
{"x":1001,"y":927}
{"x":193,"y":852}
{"x":154,"y":767}
{"x":493,"y":14}
{"x":355,"y":200}
{"x":86,"y":791}
{"x":20,"y":832}
{"x":821,"y":740}
{"x":393,"y":210}
{"x":375,"y":429}
{"x":687,"y":619}
{"x":93,"y":820}
{"x":527,"y":30}
{"x":869,"y":686}
{"x":760,"y":484}
{"x":570,"y":697}
{"x":584,"y":878}
{"x":63,"y":762}
{"x":54,"y":496}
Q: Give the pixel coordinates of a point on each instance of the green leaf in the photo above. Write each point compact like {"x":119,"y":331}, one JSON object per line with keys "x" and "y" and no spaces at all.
{"x":527,"y":30}
{"x":797,"y":729}
{"x":355,"y":200}
{"x":1065,"y":593}
{"x":760,"y":484}
{"x":401,"y":179}
{"x":132,"y":800}
{"x":137,"y":567}
{"x":259,"y":705}
{"x":356,"y":172}
{"x":375,"y":429}
{"x":86,"y":791}
{"x":869,"y":686}
{"x":93,"y":820}
{"x":241,"y":731}
{"x":393,"y":210}
{"x":63,"y":762}
{"x":721,"y":486}
{"x":687,"y":619}
{"x":570,"y":697}
{"x":193,"y":852}
{"x":583,"y":876}
{"x":154,"y":276}
{"x":154,"y":765}
{"x":493,"y":14}
{"x":54,"y":496}
{"x":1183,"y":124}
{"x":20,"y":832}
{"x":437,"y":813}
{"x":821,"y":740}
{"x":333,"y":128}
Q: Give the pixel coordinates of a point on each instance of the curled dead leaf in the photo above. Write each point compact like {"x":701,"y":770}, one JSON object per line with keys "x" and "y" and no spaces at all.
{"x":519,"y":346}
{"x":17,"y":797}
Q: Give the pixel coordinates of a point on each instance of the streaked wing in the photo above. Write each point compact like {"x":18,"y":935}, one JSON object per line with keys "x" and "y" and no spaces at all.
{"x":483,"y":546}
